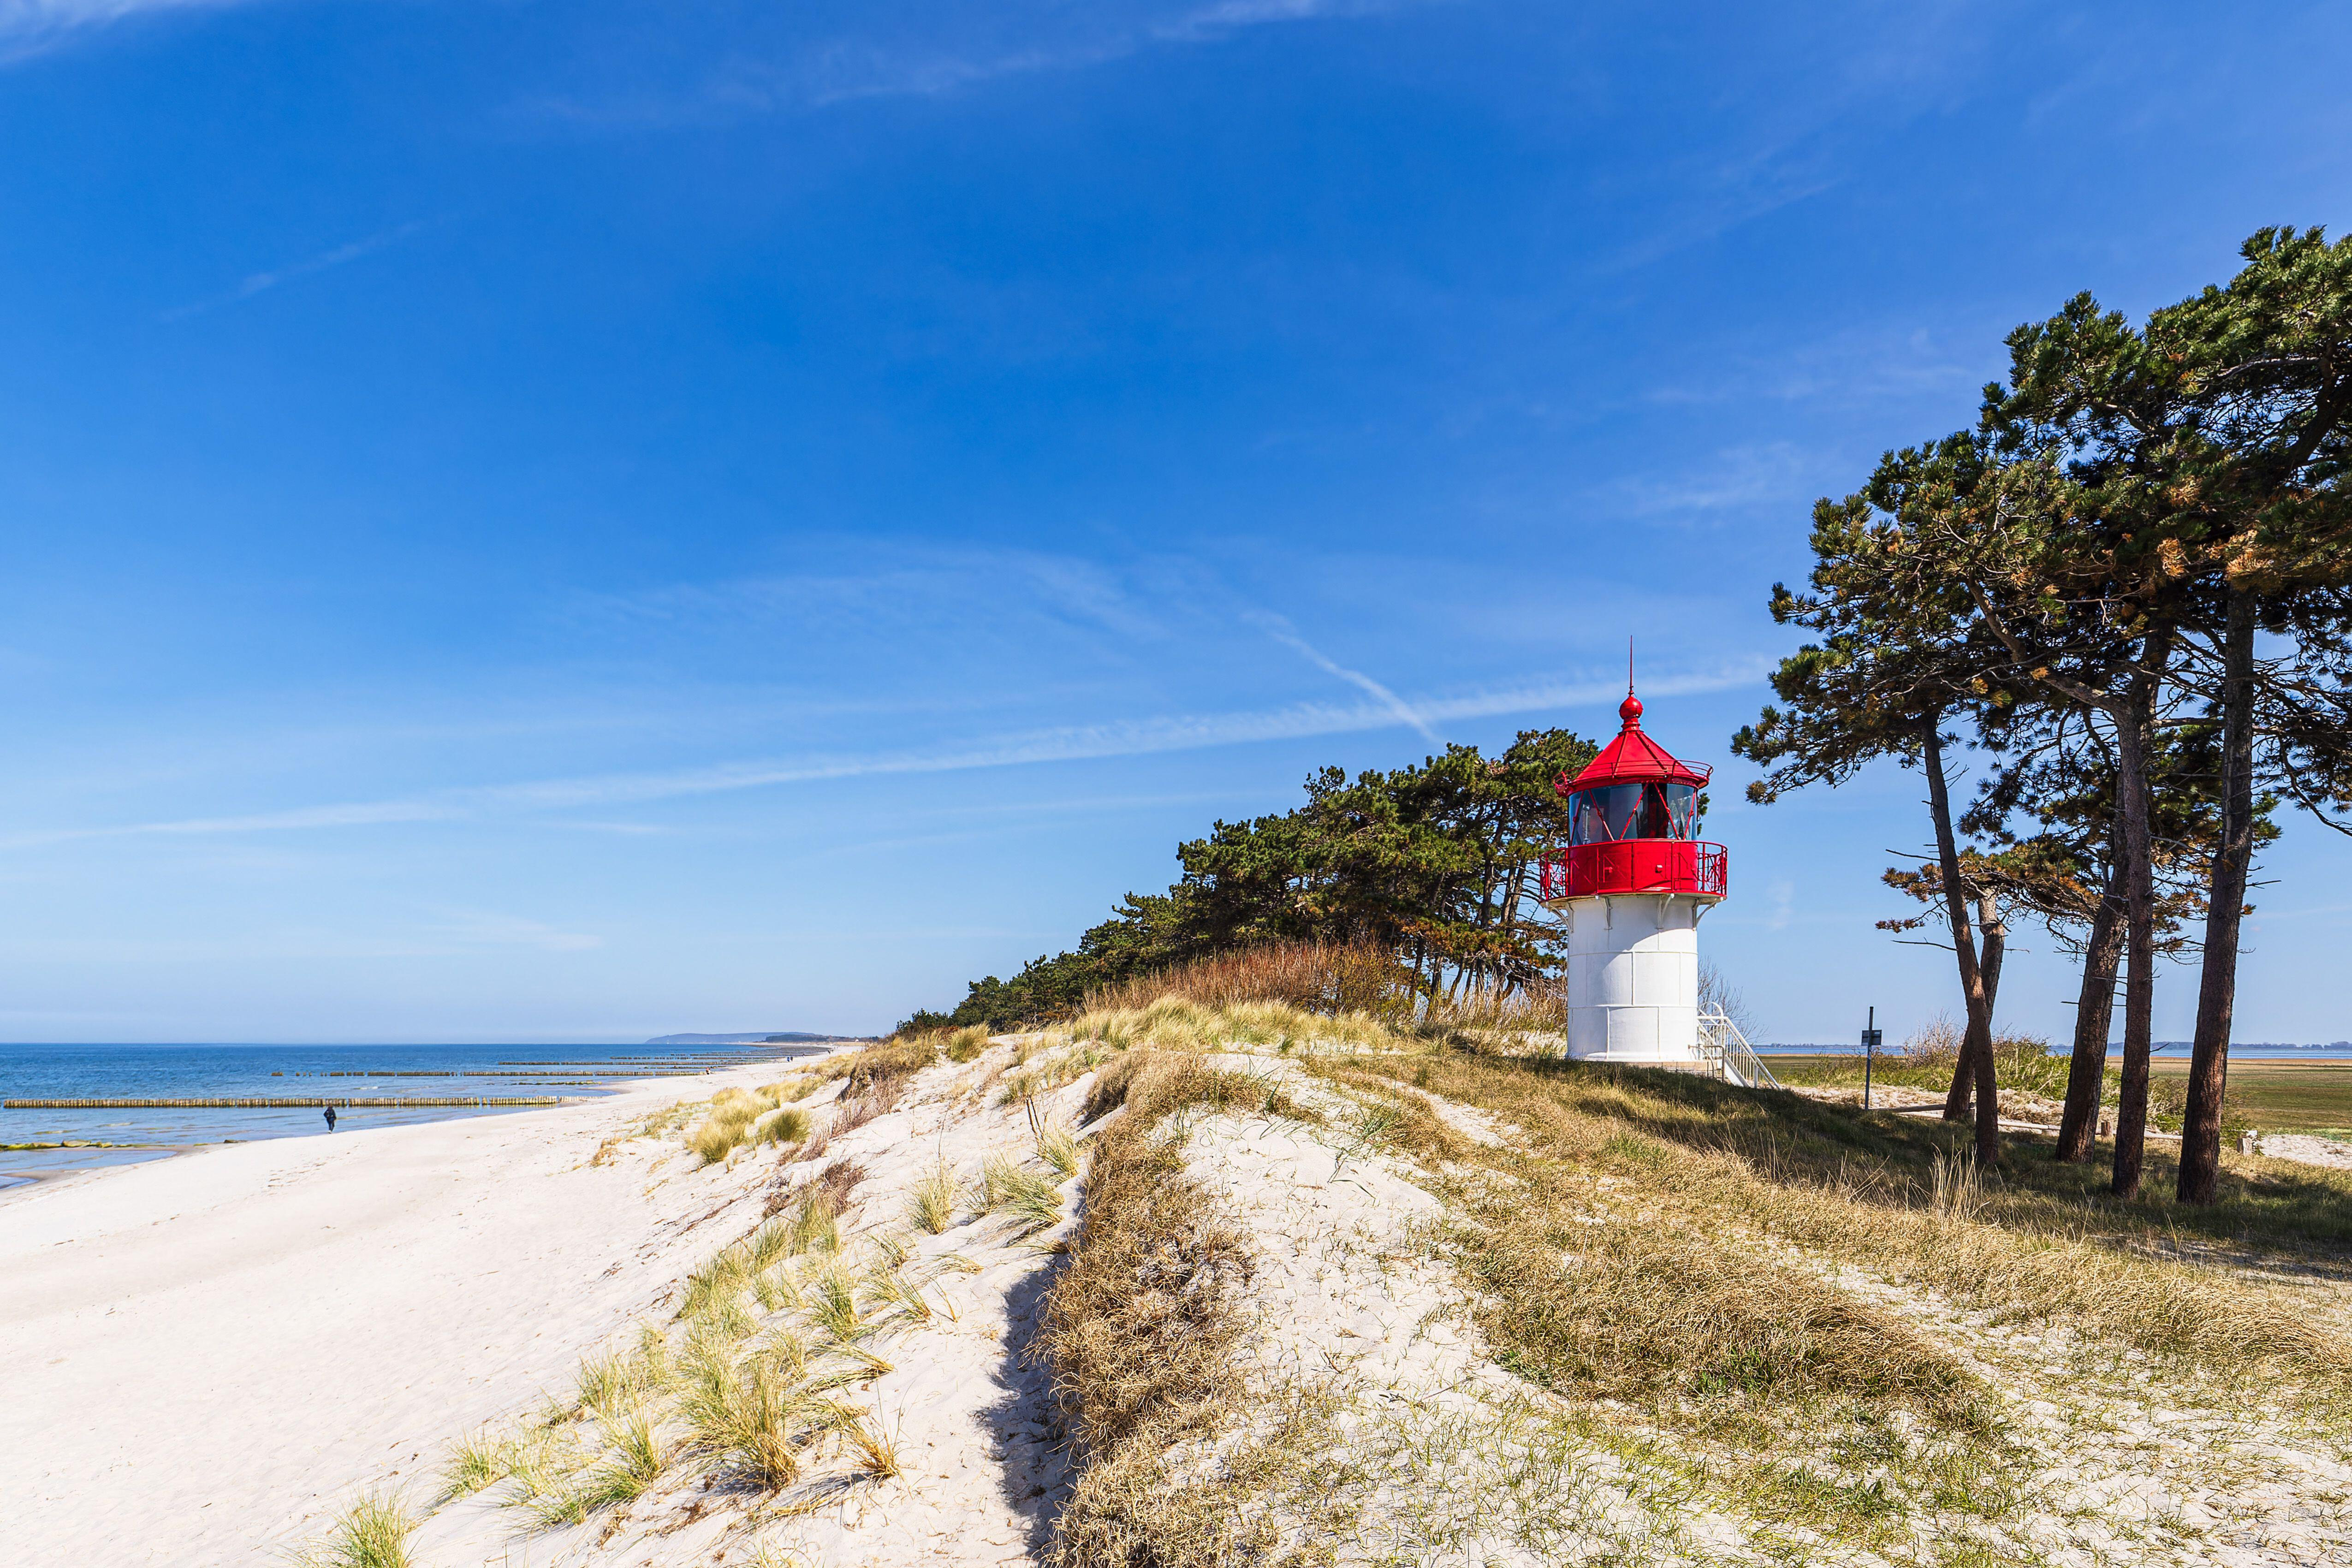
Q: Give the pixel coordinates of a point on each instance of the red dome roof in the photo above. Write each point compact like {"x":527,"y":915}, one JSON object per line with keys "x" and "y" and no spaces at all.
{"x":1634,"y":758}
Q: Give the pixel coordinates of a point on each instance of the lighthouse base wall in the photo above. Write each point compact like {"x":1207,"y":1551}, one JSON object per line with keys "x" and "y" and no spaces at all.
{"x":1632,"y":977}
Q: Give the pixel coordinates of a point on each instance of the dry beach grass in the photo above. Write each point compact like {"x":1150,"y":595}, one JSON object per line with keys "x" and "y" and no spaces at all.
{"x":1197,"y":1281}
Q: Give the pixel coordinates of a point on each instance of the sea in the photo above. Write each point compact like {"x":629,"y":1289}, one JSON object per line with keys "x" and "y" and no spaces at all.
{"x":44,"y":1143}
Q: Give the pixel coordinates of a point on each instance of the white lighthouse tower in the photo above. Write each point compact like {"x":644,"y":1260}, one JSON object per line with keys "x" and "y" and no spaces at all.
{"x":1631,"y":889}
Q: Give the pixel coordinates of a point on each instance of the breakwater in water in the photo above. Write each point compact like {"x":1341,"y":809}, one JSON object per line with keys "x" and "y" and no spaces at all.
{"x":66,"y":1107}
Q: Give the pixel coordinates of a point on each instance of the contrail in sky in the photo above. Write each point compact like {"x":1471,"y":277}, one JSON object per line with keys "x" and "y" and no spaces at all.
{"x":1128,"y":737}
{"x":1282,"y":632}
{"x":261,"y":282}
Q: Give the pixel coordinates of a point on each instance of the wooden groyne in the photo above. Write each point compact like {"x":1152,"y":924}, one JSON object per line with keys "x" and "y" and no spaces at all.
{"x":401,"y":1104}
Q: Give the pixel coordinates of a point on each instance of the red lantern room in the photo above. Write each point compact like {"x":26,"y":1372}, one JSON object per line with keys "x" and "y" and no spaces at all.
{"x":1633,"y":823}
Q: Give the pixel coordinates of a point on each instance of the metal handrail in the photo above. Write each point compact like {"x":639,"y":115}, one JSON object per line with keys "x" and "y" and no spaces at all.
{"x":1635,"y":866}
{"x":1736,"y":1061}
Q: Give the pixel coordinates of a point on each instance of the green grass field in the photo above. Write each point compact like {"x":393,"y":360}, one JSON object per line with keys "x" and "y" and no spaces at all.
{"x":2275,"y":1096}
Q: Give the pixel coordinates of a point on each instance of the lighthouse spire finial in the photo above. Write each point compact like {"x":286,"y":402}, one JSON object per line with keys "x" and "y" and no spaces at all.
{"x":1629,"y":711}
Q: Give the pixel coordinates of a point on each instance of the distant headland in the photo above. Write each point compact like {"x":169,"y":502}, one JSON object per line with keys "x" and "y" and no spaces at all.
{"x":763,"y":1037}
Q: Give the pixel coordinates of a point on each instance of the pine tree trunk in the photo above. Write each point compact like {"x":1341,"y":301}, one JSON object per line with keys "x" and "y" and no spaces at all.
{"x":2217,"y":991}
{"x":2095,"y":1015}
{"x":1964,"y":948}
{"x":1969,"y":1069}
{"x":2139,"y":903}
{"x":1995,"y":947}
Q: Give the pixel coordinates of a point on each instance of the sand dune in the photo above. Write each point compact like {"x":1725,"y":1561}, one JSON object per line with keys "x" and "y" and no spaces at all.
{"x":203,"y":1349}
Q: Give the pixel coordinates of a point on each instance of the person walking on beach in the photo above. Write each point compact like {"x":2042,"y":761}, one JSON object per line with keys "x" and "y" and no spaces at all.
{"x":330,"y":1119}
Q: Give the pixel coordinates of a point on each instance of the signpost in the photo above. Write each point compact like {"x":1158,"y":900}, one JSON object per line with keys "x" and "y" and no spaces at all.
{"x":1869,"y":1055}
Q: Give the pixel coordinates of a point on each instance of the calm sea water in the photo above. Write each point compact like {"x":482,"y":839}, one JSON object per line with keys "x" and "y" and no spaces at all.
{"x":231,"y":1071}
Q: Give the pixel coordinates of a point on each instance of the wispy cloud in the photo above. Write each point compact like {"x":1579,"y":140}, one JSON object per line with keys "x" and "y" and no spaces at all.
{"x":886,"y":76}
{"x":1140,"y":737}
{"x":262,"y":282}
{"x":1739,"y":476}
{"x":28,"y":27}
{"x":1862,"y":365}
{"x":1282,"y":632}
{"x":998,"y":44}
{"x":883,"y":585}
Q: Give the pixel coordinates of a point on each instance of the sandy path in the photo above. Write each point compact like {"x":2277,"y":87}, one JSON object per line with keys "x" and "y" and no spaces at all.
{"x":203,"y":1348}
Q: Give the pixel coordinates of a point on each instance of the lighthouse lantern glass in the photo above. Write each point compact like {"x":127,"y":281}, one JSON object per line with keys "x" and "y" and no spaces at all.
{"x":1614,"y":812}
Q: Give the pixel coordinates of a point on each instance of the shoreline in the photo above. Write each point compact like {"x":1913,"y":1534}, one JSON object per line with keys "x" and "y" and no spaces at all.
{"x":42,"y":1163}
{"x":295,"y":1312}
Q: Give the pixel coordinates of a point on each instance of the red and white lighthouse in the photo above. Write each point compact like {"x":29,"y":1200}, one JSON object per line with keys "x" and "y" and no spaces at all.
{"x":1631,"y":887}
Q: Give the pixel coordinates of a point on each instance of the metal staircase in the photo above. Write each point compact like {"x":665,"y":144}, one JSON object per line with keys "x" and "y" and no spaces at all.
{"x":1723,"y":1048}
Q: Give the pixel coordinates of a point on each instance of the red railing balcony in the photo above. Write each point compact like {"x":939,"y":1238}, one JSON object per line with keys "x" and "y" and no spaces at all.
{"x":1636,"y":865}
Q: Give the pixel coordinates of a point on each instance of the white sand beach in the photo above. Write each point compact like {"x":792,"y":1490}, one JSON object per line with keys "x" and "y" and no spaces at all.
{"x":214,"y":1356}
{"x":205,"y":1349}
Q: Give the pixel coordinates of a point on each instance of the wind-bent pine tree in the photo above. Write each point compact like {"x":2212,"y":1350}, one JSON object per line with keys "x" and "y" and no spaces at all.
{"x":2057,"y":769}
{"x":1893,"y":666}
{"x":2263,"y":373}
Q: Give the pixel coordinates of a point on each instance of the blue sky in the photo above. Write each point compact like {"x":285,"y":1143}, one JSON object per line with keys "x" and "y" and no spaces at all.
{"x":522,"y":520}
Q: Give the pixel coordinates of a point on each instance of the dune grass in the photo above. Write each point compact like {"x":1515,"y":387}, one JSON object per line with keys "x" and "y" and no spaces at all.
{"x":1056,"y":1144}
{"x":1179,"y":1023}
{"x":735,"y":1118}
{"x":637,"y":1459}
{"x":1033,"y":1200}
{"x":1642,"y":1310}
{"x":873,"y":1447}
{"x":963,"y":1045}
{"x":882,"y":1070}
{"x":1009,"y":1186}
{"x":931,"y":1204}
{"x":2022,"y":1063}
{"x":832,"y":1305}
{"x":1741,"y":1171}
{"x":373,"y":1532}
{"x":477,"y":1460}
{"x":1771,"y":1304}
{"x":1140,"y":1330}
{"x":788,"y":1125}
{"x":752,"y":1420}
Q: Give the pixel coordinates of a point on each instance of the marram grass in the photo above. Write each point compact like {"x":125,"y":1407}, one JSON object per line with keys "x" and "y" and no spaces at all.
{"x":373,"y":1532}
